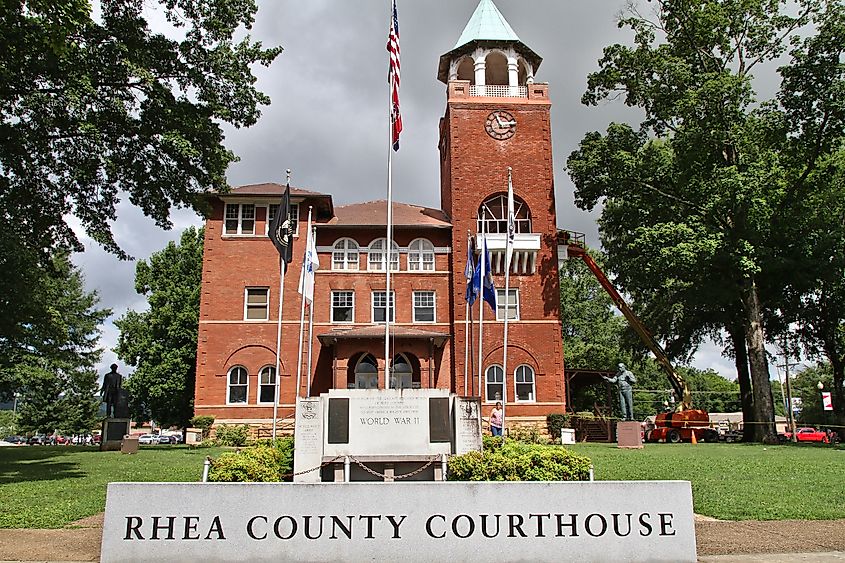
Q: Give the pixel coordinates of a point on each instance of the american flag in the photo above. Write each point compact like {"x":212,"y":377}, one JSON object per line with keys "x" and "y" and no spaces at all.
{"x":393,"y":77}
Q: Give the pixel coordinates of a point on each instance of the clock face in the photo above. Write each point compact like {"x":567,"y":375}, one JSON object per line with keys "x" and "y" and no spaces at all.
{"x":500,"y":125}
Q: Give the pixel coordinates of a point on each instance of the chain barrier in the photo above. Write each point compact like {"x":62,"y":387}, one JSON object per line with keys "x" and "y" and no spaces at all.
{"x":363,"y":466}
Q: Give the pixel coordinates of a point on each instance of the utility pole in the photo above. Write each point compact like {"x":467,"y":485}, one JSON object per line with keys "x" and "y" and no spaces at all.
{"x":786,"y":365}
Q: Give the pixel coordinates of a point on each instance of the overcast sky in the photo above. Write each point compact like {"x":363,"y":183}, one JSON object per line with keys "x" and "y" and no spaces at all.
{"x":328,"y":118}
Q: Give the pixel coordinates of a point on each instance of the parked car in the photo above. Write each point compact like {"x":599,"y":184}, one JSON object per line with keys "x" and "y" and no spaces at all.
{"x":165,"y":439}
{"x":15,"y":439}
{"x":148,"y":439}
{"x":37,"y":440}
{"x":98,"y":438}
{"x":807,"y":435}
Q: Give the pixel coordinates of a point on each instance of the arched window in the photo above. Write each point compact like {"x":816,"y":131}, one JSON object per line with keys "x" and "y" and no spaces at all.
{"x":466,"y":70}
{"x":496,"y":69}
{"x":494,"y":380}
{"x":237,"y":386}
{"x":366,"y":373}
{"x":493,"y":213}
{"x":421,"y":255}
{"x":267,"y":384}
{"x":522,"y":70}
{"x":524,"y":383}
{"x":401,"y":373}
{"x":345,"y":255}
{"x":376,"y":255}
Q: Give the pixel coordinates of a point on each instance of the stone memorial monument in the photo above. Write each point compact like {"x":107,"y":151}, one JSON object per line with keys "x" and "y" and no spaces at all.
{"x":116,"y":398}
{"x":381,"y":434}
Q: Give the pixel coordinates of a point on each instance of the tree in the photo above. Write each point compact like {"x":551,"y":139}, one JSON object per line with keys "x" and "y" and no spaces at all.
{"x":805,"y":389}
{"x":92,"y":105}
{"x":162,"y":342}
{"x":54,"y":370}
{"x":695,"y":202}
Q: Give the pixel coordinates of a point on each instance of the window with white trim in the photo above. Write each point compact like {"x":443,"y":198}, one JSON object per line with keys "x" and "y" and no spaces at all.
{"x":421,"y":255}
{"x":237,"y":386}
{"x":380,"y":306}
{"x":524,"y":383}
{"x":256,"y":303}
{"x":239,"y":219}
{"x":424,"y":307}
{"x":493,"y":215}
{"x":512,"y":305}
{"x":345,"y":255}
{"x":376,"y":256}
{"x":273,"y":208}
{"x":494,"y":384}
{"x":267,"y":384}
{"x":343,"y":306}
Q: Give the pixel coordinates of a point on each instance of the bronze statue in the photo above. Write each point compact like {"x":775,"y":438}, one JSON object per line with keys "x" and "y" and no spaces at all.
{"x":110,"y":391}
{"x":625,"y":379}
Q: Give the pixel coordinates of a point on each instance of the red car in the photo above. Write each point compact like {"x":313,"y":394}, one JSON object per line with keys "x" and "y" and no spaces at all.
{"x":809,"y":435}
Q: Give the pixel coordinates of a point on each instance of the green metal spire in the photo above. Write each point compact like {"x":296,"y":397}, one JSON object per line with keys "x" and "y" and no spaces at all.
{"x":486,"y":24}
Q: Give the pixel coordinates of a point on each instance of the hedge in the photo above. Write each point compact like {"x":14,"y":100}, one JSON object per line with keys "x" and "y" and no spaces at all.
{"x":514,"y":461}
{"x":266,"y":462}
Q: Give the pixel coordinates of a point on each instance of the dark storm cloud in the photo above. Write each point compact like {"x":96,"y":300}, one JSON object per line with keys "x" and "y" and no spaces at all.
{"x":328,"y":118}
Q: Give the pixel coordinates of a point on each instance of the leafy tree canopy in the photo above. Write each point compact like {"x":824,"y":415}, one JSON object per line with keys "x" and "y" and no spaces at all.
{"x":161,"y":342}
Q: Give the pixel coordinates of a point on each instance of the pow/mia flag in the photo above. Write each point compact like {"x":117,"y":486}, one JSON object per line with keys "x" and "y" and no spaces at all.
{"x":282,"y":229}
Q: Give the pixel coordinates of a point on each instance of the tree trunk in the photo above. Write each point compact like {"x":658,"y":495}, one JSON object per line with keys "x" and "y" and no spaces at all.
{"x":743,"y":377}
{"x":763,"y":408}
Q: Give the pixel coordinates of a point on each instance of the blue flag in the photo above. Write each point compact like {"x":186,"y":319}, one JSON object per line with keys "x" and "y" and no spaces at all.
{"x":489,"y":292}
{"x":469,"y":274}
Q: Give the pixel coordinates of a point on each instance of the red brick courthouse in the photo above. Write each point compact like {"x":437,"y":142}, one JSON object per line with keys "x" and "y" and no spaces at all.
{"x":496,"y":117}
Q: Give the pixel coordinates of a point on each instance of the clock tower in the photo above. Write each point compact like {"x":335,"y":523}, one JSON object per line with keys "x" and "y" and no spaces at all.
{"x":497,"y":117}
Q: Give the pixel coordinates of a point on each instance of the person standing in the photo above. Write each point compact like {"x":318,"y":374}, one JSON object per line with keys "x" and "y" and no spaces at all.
{"x":496,"y":420}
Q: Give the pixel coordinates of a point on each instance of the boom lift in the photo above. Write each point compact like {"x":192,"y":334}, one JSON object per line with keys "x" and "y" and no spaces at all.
{"x":685,"y":421}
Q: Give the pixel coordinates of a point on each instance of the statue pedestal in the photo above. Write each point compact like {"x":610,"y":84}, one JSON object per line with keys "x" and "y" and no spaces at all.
{"x":629,"y":434}
{"x":114,"y":429}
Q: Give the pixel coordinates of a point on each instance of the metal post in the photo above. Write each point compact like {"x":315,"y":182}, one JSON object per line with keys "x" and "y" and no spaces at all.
{"x":443,"y":466}
{"x":592,"y":476}
{"x":205,"y":467}
{"x":346,"y":469}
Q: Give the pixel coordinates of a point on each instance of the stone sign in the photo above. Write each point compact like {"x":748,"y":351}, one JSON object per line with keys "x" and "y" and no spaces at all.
{"x":467,"y":424}
{"x":308,"y":452}
{"x":434,"y":521}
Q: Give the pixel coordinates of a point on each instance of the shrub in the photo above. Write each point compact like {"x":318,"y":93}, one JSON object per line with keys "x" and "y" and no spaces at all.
{"x":267,"y":462}
{"x":232,"y":435}
{"x":527,"y":434}
{"x":514,"y":461}
{"x":204,"y":422}
{"x":555,"y":422}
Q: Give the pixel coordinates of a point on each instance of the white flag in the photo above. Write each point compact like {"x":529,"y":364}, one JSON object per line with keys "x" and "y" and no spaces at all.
{"x":511,"y":224}
{"x":310,"y":264}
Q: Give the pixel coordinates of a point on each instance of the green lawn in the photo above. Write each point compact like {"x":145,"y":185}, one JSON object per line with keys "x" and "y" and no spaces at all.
{"x":51,"y":486}
{"x":737,"y":481}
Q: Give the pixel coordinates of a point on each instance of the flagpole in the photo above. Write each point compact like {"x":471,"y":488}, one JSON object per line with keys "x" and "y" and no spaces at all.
{"x":302,"y":309}
{"x":466,"y":325}
{"x":282,"y":268}
{"x":483,"y":259}
{"x":310,"y":323}
{"x":508,"y":253}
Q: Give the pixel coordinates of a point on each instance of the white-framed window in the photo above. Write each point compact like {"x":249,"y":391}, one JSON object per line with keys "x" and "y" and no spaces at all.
{"x":380,"y":306}
{"x":376,"y":256}
{"x":237,"y":386}
{"x":523,"y":378}
{"x":512,"y":304}
{"x":424,"y":307}
{"x":494,"y":384}
{"x":366,"y":373}
{"x":493,"y":215}
{"x":273,"y":208}
{"x":421,"y":255}
{"x":267,"y":384}
{"x":345,"y":255}
{"x":256,"y":303}
{"x":239,"y":219}
{"x":343,"y":306}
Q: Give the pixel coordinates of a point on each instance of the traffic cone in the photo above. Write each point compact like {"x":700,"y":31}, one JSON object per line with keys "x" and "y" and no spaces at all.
{"x":694,"y":441}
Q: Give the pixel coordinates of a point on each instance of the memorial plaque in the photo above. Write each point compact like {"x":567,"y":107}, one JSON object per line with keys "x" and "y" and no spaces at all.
{"x":467,"y":424}
{"x":439,"y":421}
{"x":308,"y":453}
{"x":338,"y":420}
